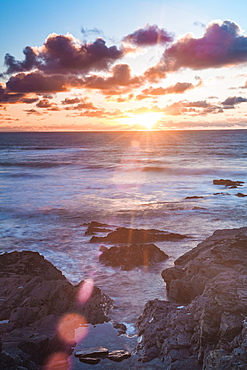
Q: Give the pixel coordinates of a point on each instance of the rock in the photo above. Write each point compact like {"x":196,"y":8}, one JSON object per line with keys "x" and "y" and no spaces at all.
{"x":194,"y":197}
{"x":134,"y":255}
{"x":209,"y":330}
{"x":129,"y":235}
{"x":97,"y":227}
{"x":34,"y":297}
{"x":99,"y":352}
{"x":90,"y":360}
{"x":228,"y":183}
{"x":119,"y":355}
{"x":121,"y":328}
{"x":241,"y":195}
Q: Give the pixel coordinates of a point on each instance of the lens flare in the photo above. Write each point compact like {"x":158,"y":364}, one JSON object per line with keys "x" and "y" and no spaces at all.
{"x":72,"y":328}
{"x":58,"y":361}
{"x":85,"y":290}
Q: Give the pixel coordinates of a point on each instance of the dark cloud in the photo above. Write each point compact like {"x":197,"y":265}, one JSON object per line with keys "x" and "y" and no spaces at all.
{"x":44,"y":103}
{"x":222,"y":45}
{"x":234,"y":100}
{"x":17,"y":66}
{"x":14,"y":98}
{"x":65,"y":54}
{"x":36,"y":82}
{"x":70,"y":101}
{"x":148,"y":36}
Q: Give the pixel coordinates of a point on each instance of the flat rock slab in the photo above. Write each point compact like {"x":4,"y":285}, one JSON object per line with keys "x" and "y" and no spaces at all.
{"x":99,"y":352}
{"x":131,"y":256}
{"x":129,"y":235}
{"x":90,"y":360}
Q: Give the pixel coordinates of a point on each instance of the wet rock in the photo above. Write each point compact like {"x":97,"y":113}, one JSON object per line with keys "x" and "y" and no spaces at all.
{"x":90,"y":360}
{"x":99,"y":352}
{"x":119,"y":355}
{"x":228,"y":183}
{"x":121,"y":328}
{"x":241,"y":195}
{"x":131,"y":256}
{"x":194,"y":197}
{"x":34,"y":295}
{"x":209,"y":330}
{"x":97,"y":227}
{"x":139,"y":236}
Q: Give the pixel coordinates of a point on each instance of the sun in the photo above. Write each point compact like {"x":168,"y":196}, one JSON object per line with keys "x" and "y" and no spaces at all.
{"x":145,"y":120}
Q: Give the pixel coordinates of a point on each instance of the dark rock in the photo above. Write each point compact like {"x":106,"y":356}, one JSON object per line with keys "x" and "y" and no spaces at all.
{"x":241,"y":195}
{"x":128,"y":235}
{"x":99,"y":352}
{"x":121,"y":328}
{"x":194,"y":197}
{"x":34,"y":296}
{"x":119,"y":355}
{"x":209,"y":331}
{"x":97,"y":227}
{"x":131,"y":256}
{"x":228,"y":183}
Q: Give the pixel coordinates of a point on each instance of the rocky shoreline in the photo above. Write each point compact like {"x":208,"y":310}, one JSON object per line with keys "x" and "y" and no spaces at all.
{"x":202,"y":326}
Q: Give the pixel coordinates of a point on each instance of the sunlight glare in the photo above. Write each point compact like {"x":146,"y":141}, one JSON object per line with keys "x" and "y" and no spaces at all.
{"x":145,"y":120}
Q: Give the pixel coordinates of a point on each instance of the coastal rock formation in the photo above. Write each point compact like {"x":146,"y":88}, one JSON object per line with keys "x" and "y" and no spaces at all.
{"x":208,"y":330}
{"x":228,"y":183}
{"x":97,"y":227}
{"x":131,"y":256}
{"x":34,"y":297}
{"x":139,"y":236}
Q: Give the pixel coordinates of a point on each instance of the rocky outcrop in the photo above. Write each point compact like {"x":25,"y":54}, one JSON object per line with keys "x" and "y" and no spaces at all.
{"x":97,"y":227}
{"x":34,"y":296}
{"x":207,"y":328}
{"x":131,"y":256}
{"x":139,"y":236}
{"x":228,"y":183}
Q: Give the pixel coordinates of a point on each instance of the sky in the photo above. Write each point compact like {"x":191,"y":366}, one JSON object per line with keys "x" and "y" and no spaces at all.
{"x":123,"y":65}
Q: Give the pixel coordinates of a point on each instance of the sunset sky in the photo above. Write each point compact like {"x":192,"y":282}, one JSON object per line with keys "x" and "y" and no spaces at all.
{"x":123,"y":65}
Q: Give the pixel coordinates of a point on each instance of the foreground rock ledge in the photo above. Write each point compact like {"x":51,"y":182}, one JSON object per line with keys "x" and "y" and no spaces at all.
{"x":205,"y":326}
{"x":34,"y":295}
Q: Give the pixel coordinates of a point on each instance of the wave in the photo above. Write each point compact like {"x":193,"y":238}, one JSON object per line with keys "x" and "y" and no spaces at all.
{"x":34,"y":164}
{"x":182,"y":171}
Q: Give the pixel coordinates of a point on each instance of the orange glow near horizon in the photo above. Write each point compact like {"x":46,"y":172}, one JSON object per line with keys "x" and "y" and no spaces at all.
{"x":146,"y":120}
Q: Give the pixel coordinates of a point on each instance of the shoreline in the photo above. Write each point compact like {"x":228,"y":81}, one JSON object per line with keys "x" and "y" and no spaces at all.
{"x":35,"y":295}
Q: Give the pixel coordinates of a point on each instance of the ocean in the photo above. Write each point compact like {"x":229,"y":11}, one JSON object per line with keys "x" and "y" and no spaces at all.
{"x":53,"y":184}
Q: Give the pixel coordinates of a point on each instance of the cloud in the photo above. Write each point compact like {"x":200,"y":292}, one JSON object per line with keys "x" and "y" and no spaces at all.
{"x":121,"y":79}
{"x":65,"y":54}
{"x":222,"y":44}
{"x":20,"y":66}
{"x":14,"y":98}
{"x":234,"y":100}
{"x":36,"y":82}
{"x":148,"y":36}
{"x":91,"y":31}
{"x":45,"y":103}
{"x":70,"y":101}
{"x":196,"y":108}
{"x":178,"y":88}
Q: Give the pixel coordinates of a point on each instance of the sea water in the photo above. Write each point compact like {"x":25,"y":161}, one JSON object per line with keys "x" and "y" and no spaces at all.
{"x":54,"y":184}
